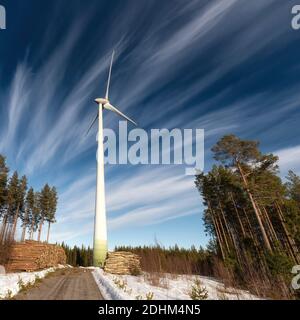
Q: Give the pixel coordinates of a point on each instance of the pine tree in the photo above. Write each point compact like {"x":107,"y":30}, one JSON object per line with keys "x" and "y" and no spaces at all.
{"x":293,"y":187}
{"x":20,"y":202}
{"x":12,"y":201}
{"x":45,"y":207}
{"x":3,"y":196}
{"x":50,"y":217}
{"x":251,"y":215}
{"x":292,"y":206}
{"x":29,"y":217}
{"x":33,"y":208}
{"x":243,"y":155}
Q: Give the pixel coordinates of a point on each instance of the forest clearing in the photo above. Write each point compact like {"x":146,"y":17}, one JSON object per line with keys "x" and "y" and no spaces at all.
{"x":251,"y":216}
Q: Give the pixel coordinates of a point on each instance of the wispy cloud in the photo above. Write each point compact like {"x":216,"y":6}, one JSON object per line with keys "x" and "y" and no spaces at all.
{"x":187,"y":65}
{"x":147,"y":197}
{"x":289,"y":159}
{"x":17,"y":106}
{"x":160,"y":58}
{"x":67,"y":235}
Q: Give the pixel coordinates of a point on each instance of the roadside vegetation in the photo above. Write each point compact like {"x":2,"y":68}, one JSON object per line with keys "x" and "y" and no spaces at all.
{"x":253,"y":219}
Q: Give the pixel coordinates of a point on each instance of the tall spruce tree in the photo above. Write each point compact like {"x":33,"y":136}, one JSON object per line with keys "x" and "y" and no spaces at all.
{"x":12,"y":202}
{"x":4,"y":170}
{"x":33,"y":208}
{"x":45,"y":207}
{"x":20,"y":199}
{"x":50,"y":217}
{"x":36,"y":213}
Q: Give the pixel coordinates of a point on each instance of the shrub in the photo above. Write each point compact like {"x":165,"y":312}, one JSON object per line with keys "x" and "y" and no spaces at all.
{"x":198,"y":292}
{"x":150,"y":296}
{"x":120,"y":284}
{"x":9,"y":295}
{"x":279,"y":264}
{"x":22,"y":285}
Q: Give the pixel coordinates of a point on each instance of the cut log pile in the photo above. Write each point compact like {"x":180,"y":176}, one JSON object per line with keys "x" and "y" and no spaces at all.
{"x":32,"y":256}
{"x":123,"y":263}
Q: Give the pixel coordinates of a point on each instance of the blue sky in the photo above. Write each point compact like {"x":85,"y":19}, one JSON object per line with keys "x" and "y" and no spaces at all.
{"x":229,"y":66}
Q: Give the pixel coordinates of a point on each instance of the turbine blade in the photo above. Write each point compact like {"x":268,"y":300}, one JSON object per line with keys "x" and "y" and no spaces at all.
{"x":91,"y":126}
{"x":109,"y":75}
{"x":110,"y":107}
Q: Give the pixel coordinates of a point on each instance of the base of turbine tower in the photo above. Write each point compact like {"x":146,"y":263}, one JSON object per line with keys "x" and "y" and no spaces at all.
{"x":100,"y":253}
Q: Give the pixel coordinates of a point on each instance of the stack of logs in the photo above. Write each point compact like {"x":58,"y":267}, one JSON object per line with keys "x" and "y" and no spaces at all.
{"x":31,"y":256}
{"x":122,"y":263}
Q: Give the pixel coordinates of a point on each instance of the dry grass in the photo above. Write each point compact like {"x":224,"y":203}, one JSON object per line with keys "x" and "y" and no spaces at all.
{"x":157,"y":279}
{"x":158,"y":259}
{"x":162,"y":264}
{"x":254,"y":281}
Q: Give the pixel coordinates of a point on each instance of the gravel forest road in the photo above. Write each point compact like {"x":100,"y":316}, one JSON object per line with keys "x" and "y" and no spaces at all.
{"x":65,"y":284}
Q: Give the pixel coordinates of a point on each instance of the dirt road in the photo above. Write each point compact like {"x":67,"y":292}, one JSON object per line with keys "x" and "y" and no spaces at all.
{"x":66,"y":284}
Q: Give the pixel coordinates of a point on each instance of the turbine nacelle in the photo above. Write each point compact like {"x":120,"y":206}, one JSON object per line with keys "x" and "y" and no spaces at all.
{"x":104,"y":102}
{"x":101,"y":101}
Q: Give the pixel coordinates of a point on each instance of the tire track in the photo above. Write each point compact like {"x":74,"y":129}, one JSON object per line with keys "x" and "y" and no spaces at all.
{"x":66,"y":284}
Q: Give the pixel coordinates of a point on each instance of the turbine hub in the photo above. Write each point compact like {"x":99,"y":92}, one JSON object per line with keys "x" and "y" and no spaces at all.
{"x":101,"y":101}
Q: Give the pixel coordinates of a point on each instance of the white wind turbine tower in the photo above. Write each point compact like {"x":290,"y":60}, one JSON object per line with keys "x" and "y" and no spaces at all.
{"x":100,"y":227}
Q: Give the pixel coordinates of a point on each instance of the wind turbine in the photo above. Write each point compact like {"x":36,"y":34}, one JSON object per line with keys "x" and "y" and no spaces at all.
{"x":100,"y":227}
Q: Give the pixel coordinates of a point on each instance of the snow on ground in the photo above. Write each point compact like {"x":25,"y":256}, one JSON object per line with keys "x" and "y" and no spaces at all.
{"x":168,"y":287}
{"x":9,"y":283}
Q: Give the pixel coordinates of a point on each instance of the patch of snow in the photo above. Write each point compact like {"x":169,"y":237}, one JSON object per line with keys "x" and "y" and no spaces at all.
{"x":107,"y":287}
{"x":168,"y":287}
{"x":9,"y":282}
